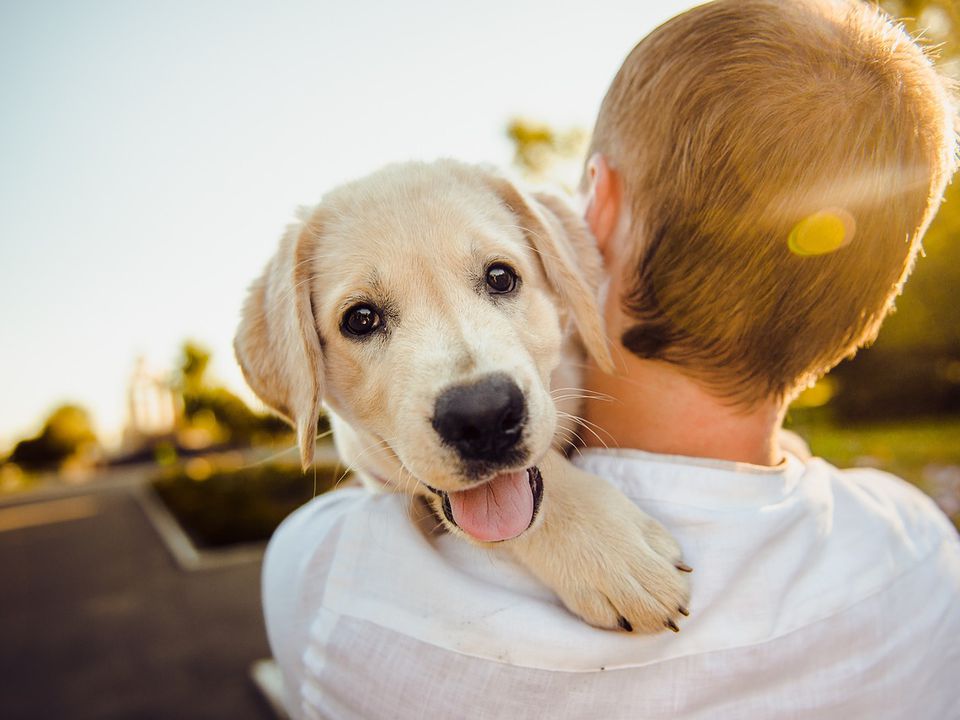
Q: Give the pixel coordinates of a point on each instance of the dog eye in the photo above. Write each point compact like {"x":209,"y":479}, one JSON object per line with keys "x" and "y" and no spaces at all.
{"x":361,"y":320}
{"x":501,"y":279}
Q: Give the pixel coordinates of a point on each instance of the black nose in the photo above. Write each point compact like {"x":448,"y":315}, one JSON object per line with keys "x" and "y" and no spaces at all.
{"x":482,"y":420}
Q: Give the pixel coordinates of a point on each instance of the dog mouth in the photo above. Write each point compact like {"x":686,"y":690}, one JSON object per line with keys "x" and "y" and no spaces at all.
{"x":499,"y":509}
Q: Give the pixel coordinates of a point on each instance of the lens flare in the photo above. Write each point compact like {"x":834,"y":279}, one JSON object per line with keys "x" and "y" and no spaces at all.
{"x":822,"y":233}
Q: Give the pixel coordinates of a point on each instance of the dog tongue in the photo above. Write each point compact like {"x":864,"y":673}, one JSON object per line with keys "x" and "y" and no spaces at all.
{"x":497,"y":510}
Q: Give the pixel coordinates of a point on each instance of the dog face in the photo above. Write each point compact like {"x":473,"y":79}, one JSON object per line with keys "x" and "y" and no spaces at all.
{"x":426,"y":305}
{"x":439,"y":332}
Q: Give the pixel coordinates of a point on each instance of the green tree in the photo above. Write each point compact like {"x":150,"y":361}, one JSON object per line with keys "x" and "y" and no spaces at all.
{"x":544,"y":153}
{"x":192,"y":370}
{"x":207,"y":403}
{"x":66,"y":432}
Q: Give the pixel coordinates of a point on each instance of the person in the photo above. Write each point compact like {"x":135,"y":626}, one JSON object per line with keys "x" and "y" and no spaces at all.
{"x":761,"y":175}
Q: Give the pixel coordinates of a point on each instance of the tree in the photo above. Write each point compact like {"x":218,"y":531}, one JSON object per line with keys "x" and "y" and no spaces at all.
{"x":543,"y":153}
{"x":192,"y":372}
{"x":68,"y":431}
{"x":206,"y":403}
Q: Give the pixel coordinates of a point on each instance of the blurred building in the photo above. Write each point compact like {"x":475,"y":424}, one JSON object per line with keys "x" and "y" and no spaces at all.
{"x":154,"y":407}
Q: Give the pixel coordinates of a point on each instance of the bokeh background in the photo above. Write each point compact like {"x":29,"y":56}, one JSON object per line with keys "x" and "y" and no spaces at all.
{"x":152,"y":154}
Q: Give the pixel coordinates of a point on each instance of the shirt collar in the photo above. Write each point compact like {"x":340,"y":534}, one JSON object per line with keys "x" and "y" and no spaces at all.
{"x":704,"y":482}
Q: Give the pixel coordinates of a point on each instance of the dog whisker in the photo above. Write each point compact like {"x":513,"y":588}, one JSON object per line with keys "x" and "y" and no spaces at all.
{"x":576,"y":435}
{"x":568,"y":440}
{"x":581,"y":393}
{"x":410,"y":483}
{"x":560,"y":398}
{"x":589,"y":426}
{"x":592,"y":426}
{"x":598,"y":437}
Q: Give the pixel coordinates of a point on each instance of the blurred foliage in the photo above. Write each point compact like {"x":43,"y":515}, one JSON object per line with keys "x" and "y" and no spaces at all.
{"x":67,"y":433}
{"x":914,"y":367}
{"x":543,"y":153}
{"x":221,"y":507}
{"x":905,"y":449}
{"x":933,"y":22}
{"x":192,"y":371}
{"x":214,"y":412}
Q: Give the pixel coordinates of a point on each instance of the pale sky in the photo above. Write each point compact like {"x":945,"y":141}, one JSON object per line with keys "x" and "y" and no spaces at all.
{"x":153,"y":152}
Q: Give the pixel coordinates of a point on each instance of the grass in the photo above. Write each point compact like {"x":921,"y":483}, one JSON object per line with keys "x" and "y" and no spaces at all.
{"x":917,"y":451}
{"x":903,"y":448}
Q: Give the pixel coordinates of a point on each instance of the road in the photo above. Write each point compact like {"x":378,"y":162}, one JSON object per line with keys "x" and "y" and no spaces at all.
{"x":97,"y":621}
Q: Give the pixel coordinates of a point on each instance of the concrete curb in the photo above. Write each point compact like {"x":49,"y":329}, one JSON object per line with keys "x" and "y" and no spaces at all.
{"x":187,"y":555}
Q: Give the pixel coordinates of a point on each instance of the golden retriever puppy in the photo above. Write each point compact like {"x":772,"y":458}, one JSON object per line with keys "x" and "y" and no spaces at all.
{"x":430,"y":308}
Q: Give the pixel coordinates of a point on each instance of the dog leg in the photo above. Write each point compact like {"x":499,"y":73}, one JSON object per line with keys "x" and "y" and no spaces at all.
{"x":609,"y":562}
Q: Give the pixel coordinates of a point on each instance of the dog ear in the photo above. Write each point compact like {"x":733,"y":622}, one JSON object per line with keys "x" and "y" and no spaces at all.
{"x":277,"y":343}
{"x":570,"y":259}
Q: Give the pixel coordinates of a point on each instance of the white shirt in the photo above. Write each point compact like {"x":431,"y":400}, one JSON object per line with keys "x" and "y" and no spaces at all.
{"x":817,"y":593}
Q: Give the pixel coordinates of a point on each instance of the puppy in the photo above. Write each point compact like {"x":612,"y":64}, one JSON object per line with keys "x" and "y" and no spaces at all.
{"x":430,"y":308}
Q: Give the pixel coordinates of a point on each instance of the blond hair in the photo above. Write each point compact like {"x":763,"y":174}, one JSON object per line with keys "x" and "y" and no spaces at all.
{"x":780,"y":163}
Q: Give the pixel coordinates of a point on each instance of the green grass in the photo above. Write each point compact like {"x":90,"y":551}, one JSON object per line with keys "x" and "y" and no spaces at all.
{"x":905,"y":449}
{"x":911,"y":450}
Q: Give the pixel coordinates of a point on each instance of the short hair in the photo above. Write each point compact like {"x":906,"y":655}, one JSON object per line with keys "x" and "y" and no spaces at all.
{"x":780,"y":162}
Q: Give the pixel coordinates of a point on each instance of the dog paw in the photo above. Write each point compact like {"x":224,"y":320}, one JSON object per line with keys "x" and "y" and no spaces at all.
{"x":608,"y":561}
{"x":630,"y":576}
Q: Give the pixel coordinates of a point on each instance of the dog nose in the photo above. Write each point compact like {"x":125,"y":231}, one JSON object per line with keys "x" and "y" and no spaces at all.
{"x":481,"y":420}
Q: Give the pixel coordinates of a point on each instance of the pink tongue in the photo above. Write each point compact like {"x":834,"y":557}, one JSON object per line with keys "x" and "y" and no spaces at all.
{"x":497,"y":510}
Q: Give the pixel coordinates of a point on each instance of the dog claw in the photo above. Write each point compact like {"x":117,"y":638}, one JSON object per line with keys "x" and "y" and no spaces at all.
{"x":624,"y":623}
{"x":683,"y":611}
{"x":683,"y":567}
{"x":672,"y":625}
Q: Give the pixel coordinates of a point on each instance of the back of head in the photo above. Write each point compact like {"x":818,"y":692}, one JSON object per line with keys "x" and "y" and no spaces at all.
{"x":780,"y":162}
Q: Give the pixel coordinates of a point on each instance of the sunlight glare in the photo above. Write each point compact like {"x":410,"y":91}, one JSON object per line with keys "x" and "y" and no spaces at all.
{"x":822,"y":233}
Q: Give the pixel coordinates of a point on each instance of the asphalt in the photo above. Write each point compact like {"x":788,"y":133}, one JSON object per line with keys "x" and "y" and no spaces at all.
{"x":97,"y":620}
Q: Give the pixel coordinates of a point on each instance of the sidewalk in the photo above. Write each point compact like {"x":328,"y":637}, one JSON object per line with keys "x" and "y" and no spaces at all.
{"x":97,"y":621}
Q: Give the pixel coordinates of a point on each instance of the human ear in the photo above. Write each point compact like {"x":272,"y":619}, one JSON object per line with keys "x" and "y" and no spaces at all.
{"x":603,"y":202}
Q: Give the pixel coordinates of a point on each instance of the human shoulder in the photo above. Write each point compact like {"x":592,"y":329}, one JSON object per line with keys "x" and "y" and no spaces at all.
{"x":303,"y":553}
{"x":312,"y":525}
{"x":901,"y":506}
{"x":858,"y":495}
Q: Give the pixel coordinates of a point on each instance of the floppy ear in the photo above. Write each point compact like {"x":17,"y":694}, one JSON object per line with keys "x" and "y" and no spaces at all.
{"x":277,"y":343}
{"x":570,"y":260}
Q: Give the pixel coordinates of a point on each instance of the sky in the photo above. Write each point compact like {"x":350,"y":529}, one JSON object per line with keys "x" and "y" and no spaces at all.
{"x":152,"y":153}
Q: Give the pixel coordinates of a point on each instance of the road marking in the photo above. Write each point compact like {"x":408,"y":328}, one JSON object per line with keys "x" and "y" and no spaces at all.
{"x":47,"y":513}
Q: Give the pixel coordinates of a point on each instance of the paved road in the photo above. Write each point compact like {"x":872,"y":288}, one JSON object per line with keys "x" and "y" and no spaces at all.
{"x":96,"y":620}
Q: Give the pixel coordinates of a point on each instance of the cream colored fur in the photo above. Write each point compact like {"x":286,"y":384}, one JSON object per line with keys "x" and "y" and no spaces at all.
{"x":416,"y":239}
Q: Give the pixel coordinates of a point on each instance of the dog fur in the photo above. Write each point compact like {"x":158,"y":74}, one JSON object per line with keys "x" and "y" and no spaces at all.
{"x":413,"y":240}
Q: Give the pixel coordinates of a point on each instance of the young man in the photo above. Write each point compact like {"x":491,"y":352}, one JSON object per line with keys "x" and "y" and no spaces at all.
{"x":762,"y":173}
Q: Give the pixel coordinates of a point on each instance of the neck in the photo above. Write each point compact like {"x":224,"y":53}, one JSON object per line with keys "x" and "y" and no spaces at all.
{"x":653,"y":406}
